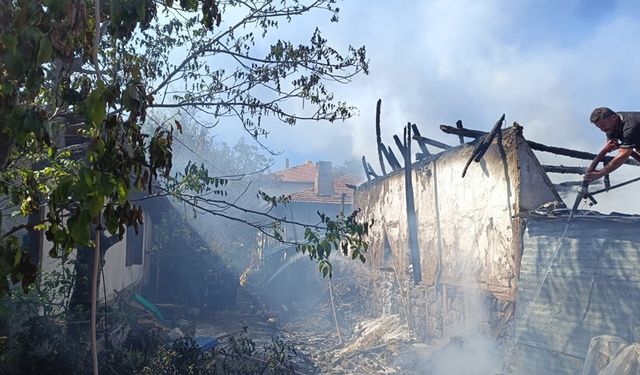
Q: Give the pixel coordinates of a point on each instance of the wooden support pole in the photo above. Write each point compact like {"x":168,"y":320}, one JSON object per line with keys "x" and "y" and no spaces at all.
{"x":379,"y":138}
{"x":536,"y":146}
{"x":563,"y":169}
{"x":459,"y":126}
{"x":482,"y":147}
{"x":371,"y":171}
{"x":400,"y":145}
{"x":607,"y":180}
{"x":573,"y":153}
{"x":366,"y":169}
{"x":431,"y":142}
{"x":421,"y":142}
{"x":391,"y":157}
{"x":469,"y":133}
{"x":411,"y":210}
{"x":94,"y":298}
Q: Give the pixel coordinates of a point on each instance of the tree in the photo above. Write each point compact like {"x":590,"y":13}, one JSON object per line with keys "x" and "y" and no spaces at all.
{"x":77,"y":79}
{"x":70,"y":72}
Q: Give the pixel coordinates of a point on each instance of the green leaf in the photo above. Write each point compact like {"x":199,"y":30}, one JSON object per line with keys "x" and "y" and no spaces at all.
{"x":95,"y":205}
{"x":122,"y":192}
{"x":45,"y":51}
{"x":95,"y":105}
{"x":80,"y":228}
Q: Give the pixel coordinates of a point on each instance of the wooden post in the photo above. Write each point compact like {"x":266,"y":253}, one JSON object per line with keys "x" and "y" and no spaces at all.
{"x":392,"y":159}
{"x":432,"y":142}
{"x":379,"y":138}
{"x":366,"y":169}
{"x":421,"y":142}
{"x":563,"y":169}
{"x":539,"y":146}
{"x":411,"y":210}
{"x":400,"y":145}
{"x":459,"y":126}
{"x":94,"y":298}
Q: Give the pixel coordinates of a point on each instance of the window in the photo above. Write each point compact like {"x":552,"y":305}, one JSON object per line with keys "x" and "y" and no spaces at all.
{"x":135,"y":245}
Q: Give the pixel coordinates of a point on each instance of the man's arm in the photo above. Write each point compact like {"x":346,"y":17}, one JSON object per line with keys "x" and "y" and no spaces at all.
{"x":615,"y":163}
{"x":607,"y":148}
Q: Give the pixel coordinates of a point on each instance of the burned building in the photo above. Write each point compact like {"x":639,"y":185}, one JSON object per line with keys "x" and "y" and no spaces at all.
{"x":498,"y":248}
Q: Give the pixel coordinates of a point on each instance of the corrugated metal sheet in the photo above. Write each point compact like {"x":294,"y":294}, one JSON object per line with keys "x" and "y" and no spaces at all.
{"x":593,"y":288}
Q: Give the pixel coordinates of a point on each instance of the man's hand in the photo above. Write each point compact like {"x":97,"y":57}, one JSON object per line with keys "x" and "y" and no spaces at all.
{"x":623,"y":154}
{"x":609,"y":146}
{"x":593,"y":175}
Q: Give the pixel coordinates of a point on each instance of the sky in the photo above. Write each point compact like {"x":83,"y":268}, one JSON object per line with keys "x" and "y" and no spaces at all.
{"x":545,"y":64}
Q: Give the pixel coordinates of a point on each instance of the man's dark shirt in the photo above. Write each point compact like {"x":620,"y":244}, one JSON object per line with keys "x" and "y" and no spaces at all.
{"x":629,"y":131}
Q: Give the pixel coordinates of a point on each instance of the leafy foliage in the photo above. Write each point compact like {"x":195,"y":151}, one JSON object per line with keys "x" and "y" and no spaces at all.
{"x":35,"y":321}
{"x":75,"y":90}
{"x":239,"y":354}
{"x":344,"y":233}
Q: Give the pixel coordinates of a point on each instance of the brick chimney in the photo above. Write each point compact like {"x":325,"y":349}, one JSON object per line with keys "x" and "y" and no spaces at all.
{"x":323,"y":184}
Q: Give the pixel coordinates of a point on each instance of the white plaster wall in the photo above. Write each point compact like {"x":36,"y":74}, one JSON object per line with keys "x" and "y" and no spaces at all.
{"x":464,"y":224}
{"x":117,"y":275}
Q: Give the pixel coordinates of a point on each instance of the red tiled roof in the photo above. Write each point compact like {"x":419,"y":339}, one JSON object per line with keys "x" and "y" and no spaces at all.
{"x":307,"y":173}
{"x":299,"y":173}
{"x":340,"y":187}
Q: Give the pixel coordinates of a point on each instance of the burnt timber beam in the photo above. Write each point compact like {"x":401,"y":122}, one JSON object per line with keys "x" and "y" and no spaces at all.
{"x":469,"y":133}
{"x":379,"y":138}
{"x":366,"y":169}
{"x":400,"y":145}
{"x":484,"y":144}
{"x":459,"y":126}
{"x":411,"y":210}
{"x":391,"y":157}
{"x":535,"y":145}
{"x":563,"y":169}
{"x":371,"y":171}
{"x":431,"y":142}
{"x":421,"y":142}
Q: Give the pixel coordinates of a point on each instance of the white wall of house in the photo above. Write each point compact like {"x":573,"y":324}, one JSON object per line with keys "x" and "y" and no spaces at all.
{"x":117,"y":274}
{"x":465,"y":225}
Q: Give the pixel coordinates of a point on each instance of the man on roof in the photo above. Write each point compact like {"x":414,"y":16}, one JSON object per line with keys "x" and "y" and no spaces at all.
{"x":623,"y":134}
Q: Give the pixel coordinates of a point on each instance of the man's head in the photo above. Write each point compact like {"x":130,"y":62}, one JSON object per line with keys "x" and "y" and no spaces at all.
{"x":605,"y":119}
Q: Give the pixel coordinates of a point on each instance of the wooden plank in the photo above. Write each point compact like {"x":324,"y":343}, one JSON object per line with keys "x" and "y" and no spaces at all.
{"x":431,"y":142}
{"x":411,"y":210}
{"x":563,"y":169}
{"x":391,"y":157}
{"x":459,"y":126}
{"x":537,"y":146}
{"x":379,"y":138}
{"x":421,"y":142}
{"x":482,"y":147}
{"x":400,"y":145}
{"x":366,"y":169}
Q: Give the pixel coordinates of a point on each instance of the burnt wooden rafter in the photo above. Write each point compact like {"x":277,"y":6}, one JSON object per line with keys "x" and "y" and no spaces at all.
{"x":400,"y":145}
{"x":459,"y":126}
{"x":411,"y":211}
{"x":563,"y":169}
{"x":421,"y":141}
{"x":379,"y":138}
{"x":368,"y":170}
{"x":544,"y":148}
{"x":391,"y":157}
{"x":484,"y":144}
